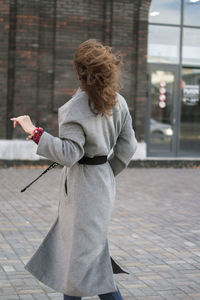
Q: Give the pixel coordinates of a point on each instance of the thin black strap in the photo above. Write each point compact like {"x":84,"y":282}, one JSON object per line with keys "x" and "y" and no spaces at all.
{"x":51,"y":166}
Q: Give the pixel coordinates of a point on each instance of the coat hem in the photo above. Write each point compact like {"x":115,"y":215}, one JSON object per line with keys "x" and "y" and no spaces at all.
{"x":112,"y":264}
{"x":59,"y":290}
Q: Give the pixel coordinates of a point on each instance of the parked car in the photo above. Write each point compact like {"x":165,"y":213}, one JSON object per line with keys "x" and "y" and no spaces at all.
{"x":160,"y":129}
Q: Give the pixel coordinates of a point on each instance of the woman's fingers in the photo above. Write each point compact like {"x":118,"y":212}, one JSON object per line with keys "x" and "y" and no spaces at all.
{"x":18,"y":120}
{"x":15,"y":122}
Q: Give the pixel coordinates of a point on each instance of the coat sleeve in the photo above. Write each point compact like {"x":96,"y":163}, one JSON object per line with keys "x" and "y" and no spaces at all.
{"x":124,"y":148}
{"x":66,"y":149}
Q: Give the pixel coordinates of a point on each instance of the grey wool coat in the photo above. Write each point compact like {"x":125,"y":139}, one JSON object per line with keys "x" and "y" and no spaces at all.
{"x":74,"y":256}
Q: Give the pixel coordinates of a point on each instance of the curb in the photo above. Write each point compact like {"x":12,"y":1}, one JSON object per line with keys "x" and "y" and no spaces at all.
{"x":145,"y":163}
{"x":165,"y":163}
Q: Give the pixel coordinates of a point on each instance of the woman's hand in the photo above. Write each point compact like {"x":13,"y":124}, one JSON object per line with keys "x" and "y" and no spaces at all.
{"x":25,"y":123}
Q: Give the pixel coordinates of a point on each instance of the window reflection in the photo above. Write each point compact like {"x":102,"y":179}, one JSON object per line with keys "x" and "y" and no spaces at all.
{"x":163,"y":44}
{"x":165,"y":11}
{"x":191,"y":46}
{"x":161,"y":129}
{"x":191,"y":12}
{"x":190,"y":112}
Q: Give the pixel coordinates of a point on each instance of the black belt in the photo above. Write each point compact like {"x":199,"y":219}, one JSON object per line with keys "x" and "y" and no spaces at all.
{"x":96,"y":160}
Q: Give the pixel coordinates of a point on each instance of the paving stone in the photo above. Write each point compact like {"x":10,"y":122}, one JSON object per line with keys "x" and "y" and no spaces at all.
{"x":27,"y":297}
{"x":42,"y":297}
{"x":9,"y":297}
{"x":149,"y":298}
{"x":154,"y":232}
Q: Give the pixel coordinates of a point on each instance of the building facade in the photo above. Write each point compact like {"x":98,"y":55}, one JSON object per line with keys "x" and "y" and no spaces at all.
{"x":38,"y":39}
{"x":160,"y":44}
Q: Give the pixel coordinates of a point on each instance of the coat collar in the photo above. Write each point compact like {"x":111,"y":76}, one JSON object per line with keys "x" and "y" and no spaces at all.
{"x":79,"y":90}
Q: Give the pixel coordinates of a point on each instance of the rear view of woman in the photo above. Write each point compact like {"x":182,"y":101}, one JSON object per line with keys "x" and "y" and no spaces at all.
{"x":74,"y":256}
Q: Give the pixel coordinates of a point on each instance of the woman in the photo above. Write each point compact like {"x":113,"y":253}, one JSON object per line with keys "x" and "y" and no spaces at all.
{"x":74,"y":256}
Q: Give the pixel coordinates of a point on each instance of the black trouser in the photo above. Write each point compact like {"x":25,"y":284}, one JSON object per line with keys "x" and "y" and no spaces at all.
{"x":109,"y":296}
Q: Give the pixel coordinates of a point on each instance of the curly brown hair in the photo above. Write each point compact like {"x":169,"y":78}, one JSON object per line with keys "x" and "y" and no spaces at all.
{"x":98,"y":71}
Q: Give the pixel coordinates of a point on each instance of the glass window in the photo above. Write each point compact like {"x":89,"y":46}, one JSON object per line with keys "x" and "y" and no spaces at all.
{"x":191,"y":46}
{"x":165,"y":11}
{"x":191,"y":12}
{"x":163,"y":44}
{"x":162,"y":102}
{"x":190,"y":112}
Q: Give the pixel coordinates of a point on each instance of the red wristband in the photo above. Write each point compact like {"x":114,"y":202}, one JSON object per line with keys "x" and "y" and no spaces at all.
{"x":37,"y":132}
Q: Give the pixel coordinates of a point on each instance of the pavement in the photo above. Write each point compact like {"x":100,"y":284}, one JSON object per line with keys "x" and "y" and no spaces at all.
{"x":154,"y":232}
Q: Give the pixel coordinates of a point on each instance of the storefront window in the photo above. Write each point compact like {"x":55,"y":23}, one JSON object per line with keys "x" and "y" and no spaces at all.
{"x":165,"y":11}
{"x":190,"y":112}
{"x":174,"y":61}
{"x":191,"y":12}
{"x":163,"y":44}
{"x":191,"y":46}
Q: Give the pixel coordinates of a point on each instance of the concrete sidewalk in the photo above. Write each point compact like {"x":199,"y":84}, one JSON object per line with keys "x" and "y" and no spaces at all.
{"x":154,"y":232}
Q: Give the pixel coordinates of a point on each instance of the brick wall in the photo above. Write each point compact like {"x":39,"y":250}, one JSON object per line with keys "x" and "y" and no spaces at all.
{"x":38,"y":39}
{"x":5,"y":55}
